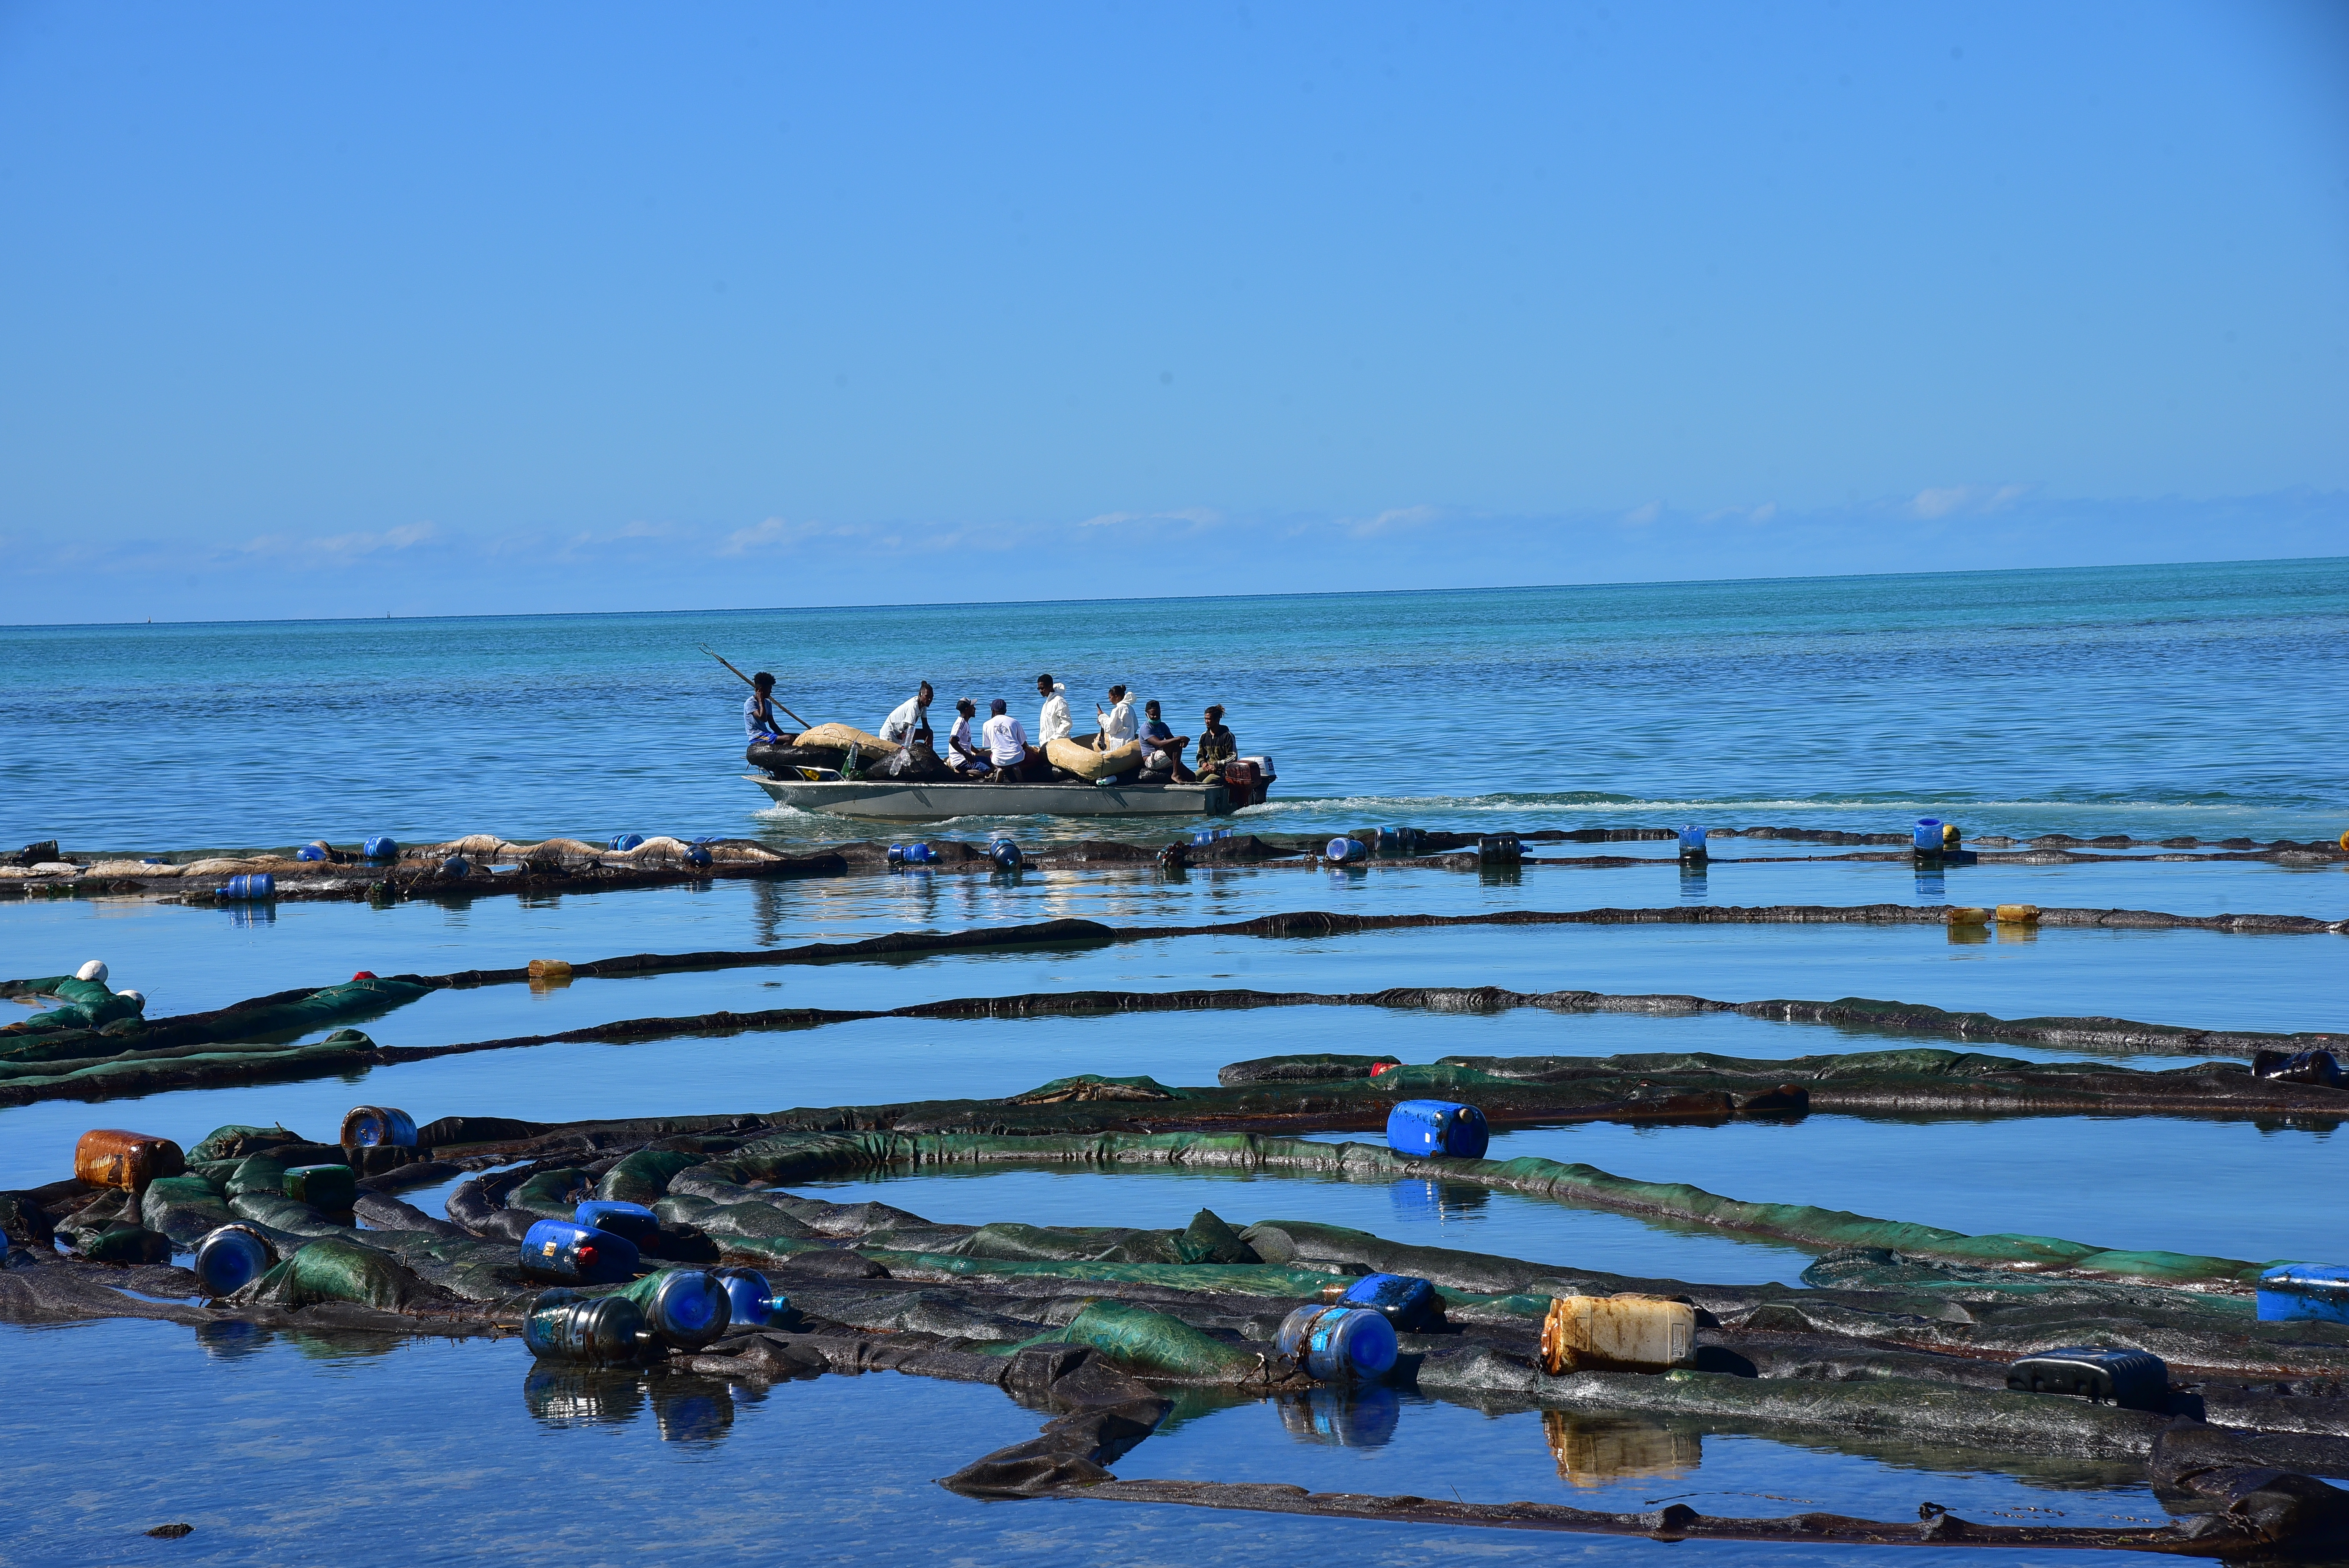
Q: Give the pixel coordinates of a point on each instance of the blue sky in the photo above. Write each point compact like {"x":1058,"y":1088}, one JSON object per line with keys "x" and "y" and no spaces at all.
{"x":439,"y":309}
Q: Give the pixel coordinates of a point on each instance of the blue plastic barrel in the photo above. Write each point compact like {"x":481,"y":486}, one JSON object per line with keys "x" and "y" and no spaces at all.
{"x":250,"y":886}
{"x":1338,"y":1343}
{"x":377,"y":1127}
{"x":382,"y":847}
{"x":2317,"y":1293}
{"x":912,"y":854}
{"x":564,"y":1326}
{"x":229,"y":1258}
{"x":753,"y":1300}
{"x":1424,"y":1128}
{"x":1691,"y":839}
{"x":698,"y":855}
{"x":576,"y":1255}
{"x":685,"y":1309}
{"x":1205,"y":836}
{"x":625,"y":841}
{"x":455,"y":866}
{"x":1929,"y":835}
{"x":1500,"y":848}
{"x":1343,"y":850}
{"x":1409,"y":1303}
{"x":639,"y":1224}
{"x":1006,"y":854}
{"x":311,"y":852}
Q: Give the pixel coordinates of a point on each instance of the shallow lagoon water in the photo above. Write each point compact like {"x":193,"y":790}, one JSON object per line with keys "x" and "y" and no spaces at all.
{"x":2157,"y":702}
{"x":302,"y":1458}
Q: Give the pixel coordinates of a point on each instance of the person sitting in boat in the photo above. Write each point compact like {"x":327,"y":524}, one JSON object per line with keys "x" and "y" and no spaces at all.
{"x":759,"y":708}
{"x":1053,"y":723}
{"x":962,"y":756}
{"x":1216,"y":745}
{"x":909,"y":720}
{"x":1006,"y":745}
{"x":1118,"y":726}
{"x":1161,"y":749}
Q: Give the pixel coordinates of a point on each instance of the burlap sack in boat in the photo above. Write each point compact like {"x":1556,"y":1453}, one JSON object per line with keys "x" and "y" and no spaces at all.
{"x":844,"y":736}
{"x":1089,"y":765}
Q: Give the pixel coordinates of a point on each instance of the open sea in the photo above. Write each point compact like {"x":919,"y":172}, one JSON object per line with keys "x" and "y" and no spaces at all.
{"x":2203,"y":701}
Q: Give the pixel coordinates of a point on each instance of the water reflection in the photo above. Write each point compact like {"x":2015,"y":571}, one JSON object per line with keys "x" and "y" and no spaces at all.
{"x":1438,"y":1201}
{"x":228,"y":1340}
{"x":1360,"y":1417}
{"x":692,"y":1410}
{"x":1931,"y":885}
{"x":1695,"y":888}
{"x":1592,"y":1450}
{"x":245,"y":916}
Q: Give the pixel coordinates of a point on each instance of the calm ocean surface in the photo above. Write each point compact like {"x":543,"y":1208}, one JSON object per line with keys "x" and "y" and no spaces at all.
{"x":2155,"y":700}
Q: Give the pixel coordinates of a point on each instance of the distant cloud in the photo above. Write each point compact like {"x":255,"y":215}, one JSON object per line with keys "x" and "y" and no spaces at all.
{"x":771,"y":534}
{"x":1395,"y":520}
{"x":1198,"y":516}
{"x":1641,"y":516}
{"x":334,"y":548}
{"x":1932,"y":503}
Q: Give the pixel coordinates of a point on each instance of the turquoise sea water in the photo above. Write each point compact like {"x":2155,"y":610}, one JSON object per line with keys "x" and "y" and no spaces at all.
{"x":2155,"y":700}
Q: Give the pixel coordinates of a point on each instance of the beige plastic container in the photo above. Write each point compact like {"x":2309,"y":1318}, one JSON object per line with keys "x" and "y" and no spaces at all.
{"x":1967,"y":914}
{"x":1617,"y":1334}
{"x":550,"y":969}
{"x":2018,"y":915}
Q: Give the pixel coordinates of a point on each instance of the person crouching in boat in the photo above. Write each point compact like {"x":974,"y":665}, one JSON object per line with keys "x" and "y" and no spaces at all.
{"x":1118,"y":726}
{"x":962,"y":754}
{"x":1216,"y":745}
{"x":1006,"y":745}
{"x":907,"y":728}
{"x":759,"y":708}
{"x":1161,"y":751}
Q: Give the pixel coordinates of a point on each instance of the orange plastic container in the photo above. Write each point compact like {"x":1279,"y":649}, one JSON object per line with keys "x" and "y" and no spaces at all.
{"x":109,"y":1157}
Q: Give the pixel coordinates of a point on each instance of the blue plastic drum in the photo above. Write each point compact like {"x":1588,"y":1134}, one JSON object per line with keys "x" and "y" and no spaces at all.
{"x":1409,"y":1303}
{"x":1929,"y":835}
{"x":639,"y":1224}
{"x":1691,"y":839}
{"x":455,"y":866}
{"x":576,"y":1255}
{"x":251,"y":886}
{"x":1006,"y":854}
{"x":377,"y":1127}
{"x":1342,"y":850}
{"x":1429,"y":1129}
{"x":755,"y":1303}
{"x":626,"y":841}
{"x":684,"y":1309}
{"x":1338,"y":1343}
{"x":382,"y":847}
{"x":311,"y":852}
{"x":229,"y":1258}
{"x":564,"y":1326}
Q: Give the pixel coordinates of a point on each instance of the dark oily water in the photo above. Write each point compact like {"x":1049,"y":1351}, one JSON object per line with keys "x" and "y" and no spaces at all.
{"x":2159,"y":700}
{"x":285,"y":1448}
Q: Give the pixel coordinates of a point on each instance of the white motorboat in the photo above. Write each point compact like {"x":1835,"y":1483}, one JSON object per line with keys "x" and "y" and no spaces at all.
{"x":933,"y":802}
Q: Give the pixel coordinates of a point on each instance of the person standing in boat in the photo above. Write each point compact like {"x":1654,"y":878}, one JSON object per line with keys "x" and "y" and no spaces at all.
{"x":1161,"y":749}
{"x":1216,"y":745}
{"x":1007,"y":744}
{"x":964,"y":757}
{"x":1052,"y":724}
{"x":759,"y":708}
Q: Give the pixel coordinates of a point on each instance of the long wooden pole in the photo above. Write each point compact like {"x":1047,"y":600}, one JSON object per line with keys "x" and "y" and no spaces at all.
{"x":747,"y":681}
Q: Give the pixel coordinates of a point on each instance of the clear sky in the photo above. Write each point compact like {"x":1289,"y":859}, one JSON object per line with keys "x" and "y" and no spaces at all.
{"x":325,"y":310}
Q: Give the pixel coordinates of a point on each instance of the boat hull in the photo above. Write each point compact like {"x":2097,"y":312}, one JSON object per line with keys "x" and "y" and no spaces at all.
{"x":886,"y":798}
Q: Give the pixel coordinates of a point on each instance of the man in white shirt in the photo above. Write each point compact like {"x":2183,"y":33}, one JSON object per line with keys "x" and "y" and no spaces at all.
{"x":963,"y":754}
{"x":1118,"y":726}
{"x":1007,"y":744}
{"x":909,"y":718}
{"x":1052,"y":724}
